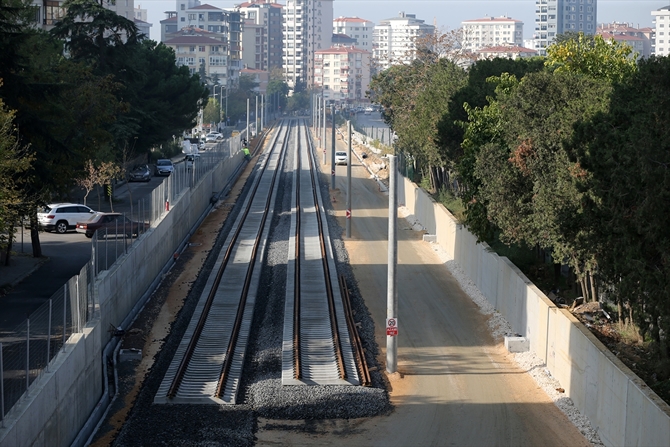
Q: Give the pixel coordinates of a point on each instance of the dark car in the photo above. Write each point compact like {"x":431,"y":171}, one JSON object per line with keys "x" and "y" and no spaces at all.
{"x":140,"y":173}
{"x":164,"y":167}
{"x":111,"y":224}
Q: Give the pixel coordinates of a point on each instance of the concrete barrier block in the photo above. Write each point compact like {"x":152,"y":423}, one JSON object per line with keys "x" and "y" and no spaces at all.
{"x":517,"y":344}
{"x":430,"y":238}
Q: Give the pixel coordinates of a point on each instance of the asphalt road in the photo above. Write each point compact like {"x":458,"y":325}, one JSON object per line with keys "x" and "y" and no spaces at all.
{"x":457,"y":385}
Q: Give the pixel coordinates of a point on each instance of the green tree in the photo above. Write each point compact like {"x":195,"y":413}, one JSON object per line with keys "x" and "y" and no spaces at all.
{"x":15,"y":161}
{"x":531,"y":184}
{"x":626,"y":151}
{"x":592,"y":56}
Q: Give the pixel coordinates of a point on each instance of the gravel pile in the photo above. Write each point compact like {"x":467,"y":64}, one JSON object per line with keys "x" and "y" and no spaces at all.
{"x":500,"y":328}
{"x":261,"y":392}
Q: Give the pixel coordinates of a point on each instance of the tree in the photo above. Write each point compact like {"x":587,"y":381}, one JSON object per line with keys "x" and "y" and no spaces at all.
{"x":626,"y":151}
{"x":89,"y":179}
{"x":15,"y":161}
{"x":212,"y":111}
{"x":530,"y":183}
{"x":592,"y":56}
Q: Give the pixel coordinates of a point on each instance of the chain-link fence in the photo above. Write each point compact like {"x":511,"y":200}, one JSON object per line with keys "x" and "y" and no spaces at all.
{"x":27,"y":352}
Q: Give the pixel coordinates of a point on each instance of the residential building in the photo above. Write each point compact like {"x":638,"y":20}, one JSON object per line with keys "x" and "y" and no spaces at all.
{"x":262,"y":35}
{"x":561,"y":16}
{"x":508,"y":51}
{"x":343,"y":73}
{"x":307,"y":29}
{"x":661,"y":35}
{"x":394,"y":40}
{"x":638,"y":39}
{"x":206,"y":39}
{"x":261,"y":77}
{"x":140,"y":14}
{"x":358,"y":29}
{"x":342,"y":40}
{"x":491,"y":32}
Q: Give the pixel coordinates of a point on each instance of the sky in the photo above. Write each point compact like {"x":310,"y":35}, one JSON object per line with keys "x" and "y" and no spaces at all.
{"x":447,"y":14}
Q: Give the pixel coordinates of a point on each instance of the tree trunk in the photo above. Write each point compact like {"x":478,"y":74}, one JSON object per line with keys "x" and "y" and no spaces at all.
{"x":35,"y":236}
{"x":594,"y":289}
{"x":10,"y":242}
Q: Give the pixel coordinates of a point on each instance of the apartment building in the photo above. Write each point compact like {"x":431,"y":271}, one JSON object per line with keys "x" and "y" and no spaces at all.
{"x":358,"y":29}
{"x":638,"y":39}
{"x":555,"y":17}
{"x":308,"y":27}
{"x":491,"y":32}
{"x":394,"y":40}
{"x":205,"y":37}
{"x":262,"y":36}
{"x":661,"y":35}
{"x":343,"y":73}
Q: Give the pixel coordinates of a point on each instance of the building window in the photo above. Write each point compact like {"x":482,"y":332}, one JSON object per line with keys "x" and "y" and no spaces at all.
{"x":201,"y":48}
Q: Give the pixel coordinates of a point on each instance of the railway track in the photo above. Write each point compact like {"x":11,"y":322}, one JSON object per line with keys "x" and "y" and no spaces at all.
{"x":207,"y":366}
{"x":319,"y":349}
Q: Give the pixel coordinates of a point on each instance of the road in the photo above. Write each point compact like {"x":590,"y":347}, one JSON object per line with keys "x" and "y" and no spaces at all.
{"x":457,"y":385}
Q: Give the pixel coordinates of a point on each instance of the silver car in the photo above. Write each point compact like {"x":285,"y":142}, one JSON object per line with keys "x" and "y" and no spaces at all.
{"x":164,"y":166}
{"x":341,"y":158}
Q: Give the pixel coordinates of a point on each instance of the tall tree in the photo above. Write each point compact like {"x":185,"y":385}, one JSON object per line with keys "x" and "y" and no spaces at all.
{"x":626,"y":152}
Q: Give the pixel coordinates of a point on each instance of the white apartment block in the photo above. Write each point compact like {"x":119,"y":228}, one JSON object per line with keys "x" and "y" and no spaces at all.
{"x":343,"y":73}
{"x":490,"y":32}
{"x":555,"y":17}
{"x":140,"y":14}
{"x":661,"y":35}
{"x":394,"y":40}
{"x":358,"y":29}
{"x":308,"y":27}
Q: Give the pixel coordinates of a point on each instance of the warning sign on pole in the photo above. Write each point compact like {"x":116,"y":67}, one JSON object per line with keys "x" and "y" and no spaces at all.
{"x":392,"y":327}
{"x":332,"y":172}
{"x":348,"y":214}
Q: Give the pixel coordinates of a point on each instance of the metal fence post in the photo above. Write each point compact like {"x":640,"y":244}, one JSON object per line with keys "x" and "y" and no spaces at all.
{"x":65,"y":314}
{"x":49,"y":336}
{"x":78,"y":308}
{"x":27,"y":353}
{"x":2,"y":390}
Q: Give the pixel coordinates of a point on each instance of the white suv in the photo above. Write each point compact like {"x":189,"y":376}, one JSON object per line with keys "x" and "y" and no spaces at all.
{"x":62,"y":216}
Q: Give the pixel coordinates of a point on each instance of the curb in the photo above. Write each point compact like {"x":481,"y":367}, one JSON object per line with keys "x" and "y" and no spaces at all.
{"x":36,"y":267}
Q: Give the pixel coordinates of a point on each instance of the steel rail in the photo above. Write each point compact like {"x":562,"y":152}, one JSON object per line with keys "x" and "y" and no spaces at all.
{"x":225,"y":370}
{"x":363,"y":370}
{"x":183,"y":365}
{"x":326,"y":270}
{"x":296,"y":294}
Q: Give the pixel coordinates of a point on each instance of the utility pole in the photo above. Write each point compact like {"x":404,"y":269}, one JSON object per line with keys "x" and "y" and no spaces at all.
{"x":262,"y":114}
{"x":392,"y":261}
{"x":248,"y":134}
{"x":256,"y":118}
{"x":332,"y":152}
{"x":324,"y":129}
{"x":348,"y":212}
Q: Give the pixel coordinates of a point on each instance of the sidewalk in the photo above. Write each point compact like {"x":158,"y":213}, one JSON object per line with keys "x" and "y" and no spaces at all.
{"x":21,"y":265}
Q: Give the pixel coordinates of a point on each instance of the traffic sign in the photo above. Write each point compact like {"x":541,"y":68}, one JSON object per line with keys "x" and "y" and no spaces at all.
{"x":332,"y":172}
{"x":392,"y":327}
{"x":348,"y":214}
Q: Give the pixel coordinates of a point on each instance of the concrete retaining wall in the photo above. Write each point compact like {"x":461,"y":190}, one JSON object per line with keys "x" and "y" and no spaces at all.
{"x":59,"y":402}
{"x":623,"y":410}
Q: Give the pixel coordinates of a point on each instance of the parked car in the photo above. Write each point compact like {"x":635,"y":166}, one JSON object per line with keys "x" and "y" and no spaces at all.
{"x":140,"y":173}
{"x":341,"y":158}
{"x":62,"y":216}
{"x":111,"y":224}
{"x":164,"y":166}
{"x":213,"y":137}
{"x":368,"y":110}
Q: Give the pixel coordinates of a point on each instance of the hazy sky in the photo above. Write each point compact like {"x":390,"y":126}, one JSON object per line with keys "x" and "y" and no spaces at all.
{"x":447,"y":14}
